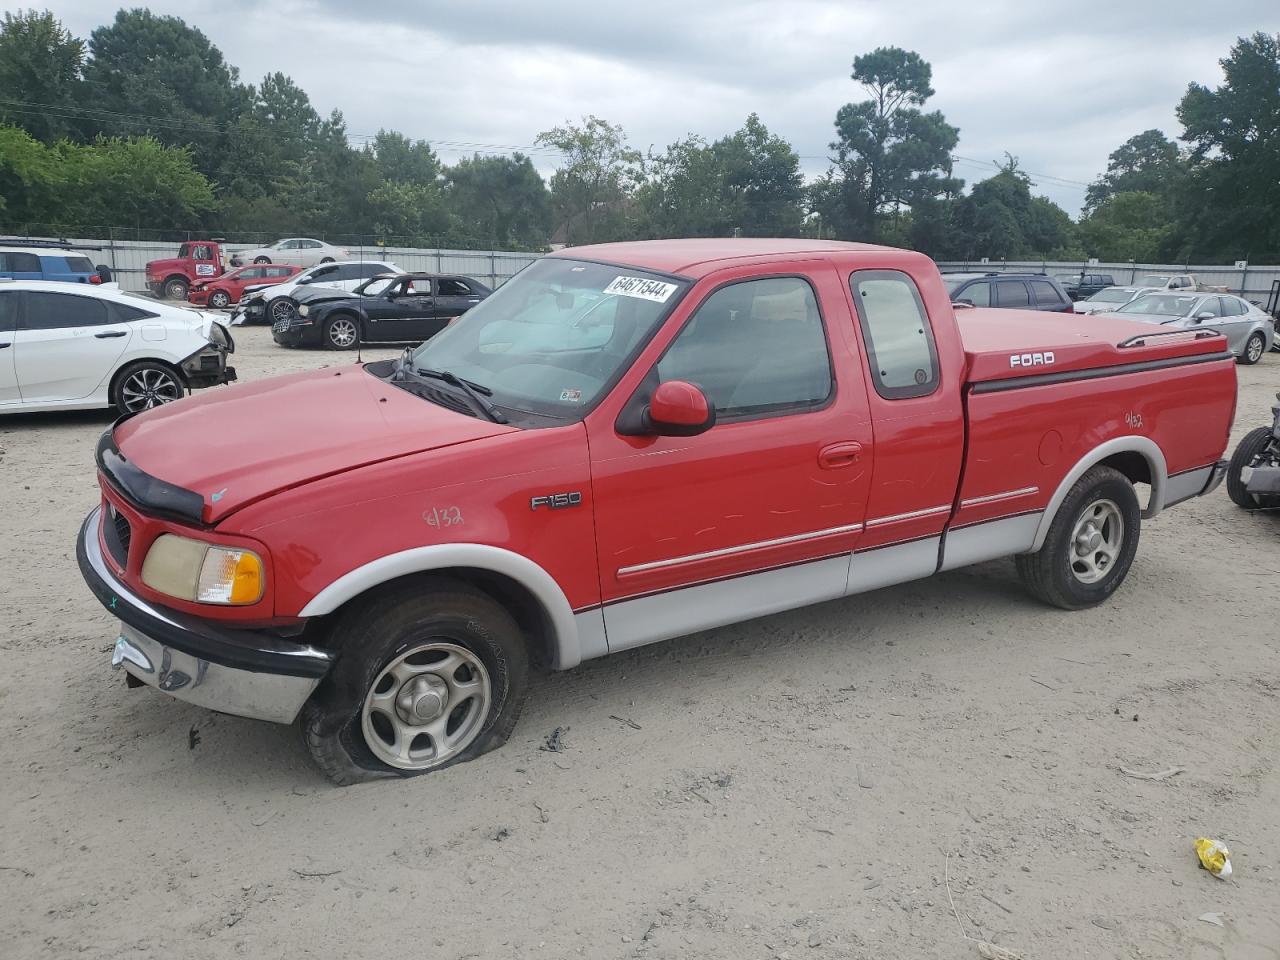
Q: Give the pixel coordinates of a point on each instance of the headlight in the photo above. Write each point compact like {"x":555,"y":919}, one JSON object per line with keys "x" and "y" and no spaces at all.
{"x":219,"y":336}
{"x":203,"y":573}
{"x":303,"y":310}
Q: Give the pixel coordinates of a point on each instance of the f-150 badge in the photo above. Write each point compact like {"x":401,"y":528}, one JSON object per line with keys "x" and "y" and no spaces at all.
{"x":556,"y":501}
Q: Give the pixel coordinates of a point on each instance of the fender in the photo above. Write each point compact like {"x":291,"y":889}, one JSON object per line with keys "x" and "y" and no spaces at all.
{"x":566,"y":643}
{"x":1145,"y":446}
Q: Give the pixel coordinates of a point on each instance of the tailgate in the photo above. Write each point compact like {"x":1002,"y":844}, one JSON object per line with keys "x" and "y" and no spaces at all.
{"x":1017,"y":344}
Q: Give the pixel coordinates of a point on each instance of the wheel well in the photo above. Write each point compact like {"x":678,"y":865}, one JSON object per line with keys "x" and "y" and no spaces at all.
{"x":518,"y":601}
{"x":1131,"y":463}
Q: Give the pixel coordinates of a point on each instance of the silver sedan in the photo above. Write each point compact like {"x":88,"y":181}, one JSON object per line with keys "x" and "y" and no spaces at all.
{"x":1250,"y":332}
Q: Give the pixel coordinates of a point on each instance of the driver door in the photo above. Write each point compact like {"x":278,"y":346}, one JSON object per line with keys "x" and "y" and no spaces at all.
{"x":405,"y":313}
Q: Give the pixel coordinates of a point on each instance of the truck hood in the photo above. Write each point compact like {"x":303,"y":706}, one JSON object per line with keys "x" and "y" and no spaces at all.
{"x":235,"y":445}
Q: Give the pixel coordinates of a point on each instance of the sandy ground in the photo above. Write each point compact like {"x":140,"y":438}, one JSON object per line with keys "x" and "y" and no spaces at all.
{"x":795,"y":787}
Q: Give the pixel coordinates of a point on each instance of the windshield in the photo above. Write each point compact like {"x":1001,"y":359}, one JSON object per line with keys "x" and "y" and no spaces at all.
{"x":1162,"y":304}
{"x":1111,"y":295}
{"x":554,"y":337}
{"x":955,"y":284}
{"x":1153,"y":280}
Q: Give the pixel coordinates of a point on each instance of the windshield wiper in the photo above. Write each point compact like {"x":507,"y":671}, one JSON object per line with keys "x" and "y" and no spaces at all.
{"x":472,"y":390}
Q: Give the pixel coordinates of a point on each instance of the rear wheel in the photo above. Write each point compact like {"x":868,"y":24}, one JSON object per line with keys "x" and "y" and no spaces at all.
{"x":1090,"y":545}
{"x":1246,"y":456}
{"x":341,"y":332}
{"x":428,"y":676}
{"x":145,"y":384}
{"x":261,"y":259}
{"x":176,"y":288}
{"x":326,"y":259}
{"x":1254,"y":348}
{"x":220,"y":299}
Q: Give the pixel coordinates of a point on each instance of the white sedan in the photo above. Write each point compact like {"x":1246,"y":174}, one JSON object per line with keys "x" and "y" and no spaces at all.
{"x":269,"y":303}
{"x":70,"y":346}
{"x":302,"y":251}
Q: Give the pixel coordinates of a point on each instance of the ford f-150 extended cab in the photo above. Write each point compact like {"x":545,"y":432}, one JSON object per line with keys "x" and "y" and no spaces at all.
{"x":623,"y":444}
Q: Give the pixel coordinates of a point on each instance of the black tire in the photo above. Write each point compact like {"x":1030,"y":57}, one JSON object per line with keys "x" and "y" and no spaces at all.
{"x":342,"y":332}
{"x":326,"y":260}
{"x":176,"y":288}
{"x":280,"y":308}
{"x":1254,"y":442}
{"x":151,"y":377}
{"x":261,"y":259}
{"x":220,"y":299}
{"x":377,"y":631}
{"x":1253,"y":350}
{"x":1048,"y":573}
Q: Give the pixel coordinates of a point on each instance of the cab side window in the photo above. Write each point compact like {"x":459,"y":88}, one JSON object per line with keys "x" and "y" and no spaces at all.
{"x":755,"y":347}
{"x":896,"y":331}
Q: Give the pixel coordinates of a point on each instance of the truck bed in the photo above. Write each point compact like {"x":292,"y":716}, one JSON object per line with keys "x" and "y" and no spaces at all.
{"x":1014,"y":344}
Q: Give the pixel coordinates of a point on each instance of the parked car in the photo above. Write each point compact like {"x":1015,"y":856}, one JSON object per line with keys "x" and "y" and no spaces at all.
{"x":173,"y":277}
{"x":759,"y":425}
{"x":1105,"y":301}
{"x":391,"y":308}
{"x":300,"y":251}
{"x":267,"y":304}
{"x":1181,"y":282}
{"x":1080,"y":286}
{"x":57,"y":261}
{"x":77,"y":348}
{"x":1248,"y":329}
{"x":1253,"y":475}
{"x":221,"y":292}
{"x":1021,"y":291}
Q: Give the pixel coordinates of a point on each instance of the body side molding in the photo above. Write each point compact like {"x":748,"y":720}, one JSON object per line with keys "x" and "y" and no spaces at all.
{"x":564,"y":639}
{"x":1145,"y":446}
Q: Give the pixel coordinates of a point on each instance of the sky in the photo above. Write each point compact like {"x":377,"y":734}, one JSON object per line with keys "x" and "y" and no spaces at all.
{"x":1058,"y":86}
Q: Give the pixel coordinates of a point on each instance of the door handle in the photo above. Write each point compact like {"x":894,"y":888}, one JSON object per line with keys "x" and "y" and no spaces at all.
{"x":839,"y":454}
{"x":108,"y":334}
{"x":6,"y":344}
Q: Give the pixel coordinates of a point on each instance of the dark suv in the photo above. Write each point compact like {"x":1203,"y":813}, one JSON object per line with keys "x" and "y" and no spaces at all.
{"x":1082,"y":286}
{"x":1022,"y":291}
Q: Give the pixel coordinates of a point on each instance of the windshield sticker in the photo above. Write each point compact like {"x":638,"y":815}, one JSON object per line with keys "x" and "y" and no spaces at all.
{"x":570,"y":396}
{"x":641,"y":288}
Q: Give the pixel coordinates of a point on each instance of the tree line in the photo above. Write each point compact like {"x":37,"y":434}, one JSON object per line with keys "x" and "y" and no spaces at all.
{"x":147,"y":125}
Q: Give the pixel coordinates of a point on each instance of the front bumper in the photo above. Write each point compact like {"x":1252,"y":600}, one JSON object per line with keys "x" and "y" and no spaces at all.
{"x":199,"y":298}
{"x":241,"y":672}
{"x":293,"y":333}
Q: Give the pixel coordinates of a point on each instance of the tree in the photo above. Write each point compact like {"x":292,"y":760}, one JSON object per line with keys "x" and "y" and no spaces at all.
{"x":40,"y":64}
{"x":500,"y":201}
{"x":1148,"y":163}
{"x":400,"y":160}
{"x":1228,"y":209}
{"x":156,"y":76}
{"x":1000,"y":218}
{"x":136,"y":181}
{"x":591,"y":190}
{"x":887,"y":150}
{"x":31,"y":179}
{"x":1131,"y":225}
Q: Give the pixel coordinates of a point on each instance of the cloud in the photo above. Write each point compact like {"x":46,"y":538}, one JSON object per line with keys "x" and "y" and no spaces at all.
{"x":1058,"y":87}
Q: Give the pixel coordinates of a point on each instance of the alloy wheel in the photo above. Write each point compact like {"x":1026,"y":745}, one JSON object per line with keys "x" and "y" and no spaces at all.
{"x":150,"y":387}
{"x":342,"y":332}
{"x":426,"y":706}
{"x":1096,"y":541}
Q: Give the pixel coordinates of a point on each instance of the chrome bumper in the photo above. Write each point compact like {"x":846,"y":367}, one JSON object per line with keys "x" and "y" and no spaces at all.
{"x":242,"y":672}
{"x":260,"y":696}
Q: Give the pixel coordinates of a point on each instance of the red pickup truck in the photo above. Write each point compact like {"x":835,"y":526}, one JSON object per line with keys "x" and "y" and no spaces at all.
{"x":626,"y":443}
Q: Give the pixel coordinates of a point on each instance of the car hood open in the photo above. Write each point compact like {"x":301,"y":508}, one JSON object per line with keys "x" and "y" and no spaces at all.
{"x":235,"y":445}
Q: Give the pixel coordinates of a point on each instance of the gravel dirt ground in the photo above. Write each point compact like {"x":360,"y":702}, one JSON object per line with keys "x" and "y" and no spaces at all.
{"x":799,"y":786}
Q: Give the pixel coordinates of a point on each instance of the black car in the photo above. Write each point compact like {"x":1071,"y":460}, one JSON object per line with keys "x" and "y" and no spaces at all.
{"x":392,"y":308}
{"x":1023,"y":291}
{"x":1082,"y":286}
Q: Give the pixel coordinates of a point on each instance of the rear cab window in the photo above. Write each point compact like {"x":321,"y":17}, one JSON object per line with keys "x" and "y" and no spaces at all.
{"x":901,"y":352}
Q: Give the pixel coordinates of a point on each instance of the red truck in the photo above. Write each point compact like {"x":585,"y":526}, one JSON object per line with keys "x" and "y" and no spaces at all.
{"x":626,"y":443}
{"x":174,"y":277}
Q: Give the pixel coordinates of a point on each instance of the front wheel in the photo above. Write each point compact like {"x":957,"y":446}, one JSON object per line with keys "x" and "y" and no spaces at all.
{"x":1254,"y":348}
{"x":261,"y":259}
{"x":326,"y":259}
{"x":1245,"y":457}
{"x":281,"y":309}
{"x":176,"y":288}
{"x":143,"y":385}
{"x":426,"y":677}
{"x":1090,"y":545}
{"x":220,"y":299}
{"x":341,"y":332}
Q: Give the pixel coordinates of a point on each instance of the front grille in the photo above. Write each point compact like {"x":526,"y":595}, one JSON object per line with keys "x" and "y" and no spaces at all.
{"x":117,"y":533}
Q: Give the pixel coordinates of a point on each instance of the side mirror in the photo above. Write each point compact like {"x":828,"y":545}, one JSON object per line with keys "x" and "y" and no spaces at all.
{"x":1201,"y":317}
{"x":679,"y":409}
